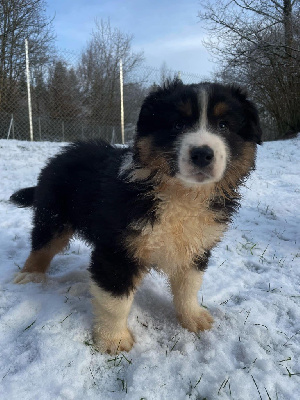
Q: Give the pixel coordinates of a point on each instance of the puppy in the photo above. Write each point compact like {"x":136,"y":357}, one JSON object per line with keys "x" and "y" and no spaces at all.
{"x":164,"y":203}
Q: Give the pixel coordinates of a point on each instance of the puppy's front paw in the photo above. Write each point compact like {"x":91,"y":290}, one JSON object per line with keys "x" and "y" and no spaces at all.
{"x":26,"y":277}
{"x":199,"y":320}
{"x":113,"y":343}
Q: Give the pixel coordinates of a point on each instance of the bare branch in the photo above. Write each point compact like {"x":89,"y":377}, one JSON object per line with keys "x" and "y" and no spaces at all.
{"x":258,"y":44}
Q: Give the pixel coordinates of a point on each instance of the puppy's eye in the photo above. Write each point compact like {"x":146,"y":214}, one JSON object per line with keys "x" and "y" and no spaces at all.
{"x":223,"y":125}
{"x":179,"y":126}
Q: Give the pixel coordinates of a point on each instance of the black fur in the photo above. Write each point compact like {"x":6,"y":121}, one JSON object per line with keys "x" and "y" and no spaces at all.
{"x":202,"y":262}
{"x":82,"y":188}
{"x":23,"y":197}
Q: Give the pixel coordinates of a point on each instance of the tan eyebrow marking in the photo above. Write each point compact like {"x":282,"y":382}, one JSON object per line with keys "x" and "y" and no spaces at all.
{"x":220,"y":109}
{"x":185,"y":108}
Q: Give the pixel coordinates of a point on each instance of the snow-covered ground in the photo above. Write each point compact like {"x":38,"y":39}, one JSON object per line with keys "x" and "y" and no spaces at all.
{"x":251,"y":287}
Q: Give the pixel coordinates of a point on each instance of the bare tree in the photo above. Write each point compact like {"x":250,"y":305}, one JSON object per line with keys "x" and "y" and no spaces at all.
{"x":257,"y":44}
{"x":64,"y":98}
{"x":21,"y":19}
{"x":99,"y":70}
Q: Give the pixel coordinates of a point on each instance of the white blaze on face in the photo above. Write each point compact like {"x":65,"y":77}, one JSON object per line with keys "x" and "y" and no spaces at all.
{"x":188,"y":171}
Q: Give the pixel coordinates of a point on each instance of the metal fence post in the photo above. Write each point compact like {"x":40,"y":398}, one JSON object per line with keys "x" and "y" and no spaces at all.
{"x":10,"y":126}
{"x":28,"y":90}
{"x":122,"y":103}
{"x":40,"y":131}
{"x":13,"y":126}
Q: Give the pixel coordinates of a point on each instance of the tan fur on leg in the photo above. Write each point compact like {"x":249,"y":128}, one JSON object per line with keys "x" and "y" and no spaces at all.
{"x":39,"y":261}
{"x":110,"y":332}
{"x":185,"y":286}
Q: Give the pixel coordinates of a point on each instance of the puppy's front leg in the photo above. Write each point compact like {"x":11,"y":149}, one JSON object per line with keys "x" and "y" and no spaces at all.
{"x":185,"y":286}
{"x":114,"y":279}
{"x":110,"y":332}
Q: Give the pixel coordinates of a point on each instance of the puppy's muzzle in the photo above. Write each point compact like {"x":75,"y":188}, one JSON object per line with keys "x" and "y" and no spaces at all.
{"x":201,"y":156}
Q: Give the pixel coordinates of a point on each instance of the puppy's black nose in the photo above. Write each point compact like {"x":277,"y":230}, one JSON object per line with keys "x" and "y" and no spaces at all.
{"x":202,"y":156}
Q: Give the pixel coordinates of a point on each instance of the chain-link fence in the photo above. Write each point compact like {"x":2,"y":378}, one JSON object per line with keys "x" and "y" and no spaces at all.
{"x":71,"y":100}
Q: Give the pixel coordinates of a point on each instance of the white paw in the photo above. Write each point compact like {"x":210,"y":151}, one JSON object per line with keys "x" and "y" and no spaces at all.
{"x":199,"y":320}
{"x":113,"y":343}
{"x":26,"y":277}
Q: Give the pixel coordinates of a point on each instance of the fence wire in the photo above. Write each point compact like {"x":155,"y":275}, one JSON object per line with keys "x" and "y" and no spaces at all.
{"x":72,"y":101}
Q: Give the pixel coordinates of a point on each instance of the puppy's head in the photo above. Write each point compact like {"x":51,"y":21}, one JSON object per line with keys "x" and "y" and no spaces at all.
{"x":196,"y":132}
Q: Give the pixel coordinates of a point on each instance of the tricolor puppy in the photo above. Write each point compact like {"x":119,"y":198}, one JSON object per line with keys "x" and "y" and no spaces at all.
{"x":164,"y":203}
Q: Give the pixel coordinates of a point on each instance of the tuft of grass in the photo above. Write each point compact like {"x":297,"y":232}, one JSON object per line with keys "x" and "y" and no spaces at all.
{"x":94,"y":382}
{"x":91,"y":345}
{"x":5,"y":374}
{"x":172,"y":348}
{"x":262,"y":256}
{"x":248,"y":246}
{"x":117,"y":360}
{"x":17,"y":265}
{"x":174,"y":338}
{"x":248,"y":368}
{"x":256,"y":387}
{"x":269,"y":290}
{"x":192,"y":387}
{"x":66,"y":318}
{"x":290,"y":338}
{"x":269,"y":213}
{"x":197,"y":383}
{"x":29,"y":326}
{"x":287,"y":359}
{"x":261,"y":325}
{"x":269,"y":398}
{"x":124,"y":384}
{"x":223,"y":385}
{"x":202,"y":305}
{"x":226,"y":301}
{"x":248,"y":313}
{"x":290,"y":374}
{"x":142,"y":323}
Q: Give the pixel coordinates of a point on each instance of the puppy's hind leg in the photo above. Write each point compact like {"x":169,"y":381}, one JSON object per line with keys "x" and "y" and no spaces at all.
{"x":48,"y":238}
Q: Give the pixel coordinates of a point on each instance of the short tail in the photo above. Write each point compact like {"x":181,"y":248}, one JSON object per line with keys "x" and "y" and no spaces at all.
{"x":23,"y":197}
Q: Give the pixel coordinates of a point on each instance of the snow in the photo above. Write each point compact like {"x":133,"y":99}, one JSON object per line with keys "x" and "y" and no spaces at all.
{"x":251,"y":288}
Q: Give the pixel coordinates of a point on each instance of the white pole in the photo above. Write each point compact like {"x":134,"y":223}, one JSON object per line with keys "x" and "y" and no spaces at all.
{"x":122,"y":103}
{"x":10,"y":125}
{"x":13,"y":126}
{"x":28,"y":90}
{"x":40,"y":131}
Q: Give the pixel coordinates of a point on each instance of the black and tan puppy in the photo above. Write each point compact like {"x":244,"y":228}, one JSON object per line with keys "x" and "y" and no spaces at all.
{"x":164,"y":203}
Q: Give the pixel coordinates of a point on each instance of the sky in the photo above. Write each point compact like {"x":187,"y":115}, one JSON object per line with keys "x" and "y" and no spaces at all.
{"x":167,"y":31}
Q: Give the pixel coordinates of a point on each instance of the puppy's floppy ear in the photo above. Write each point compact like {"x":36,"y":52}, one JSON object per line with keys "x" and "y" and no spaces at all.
{"x":251,"y":130}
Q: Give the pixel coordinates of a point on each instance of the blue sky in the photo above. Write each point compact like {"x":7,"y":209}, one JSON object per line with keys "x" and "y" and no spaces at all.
{"x":166,"y":30}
